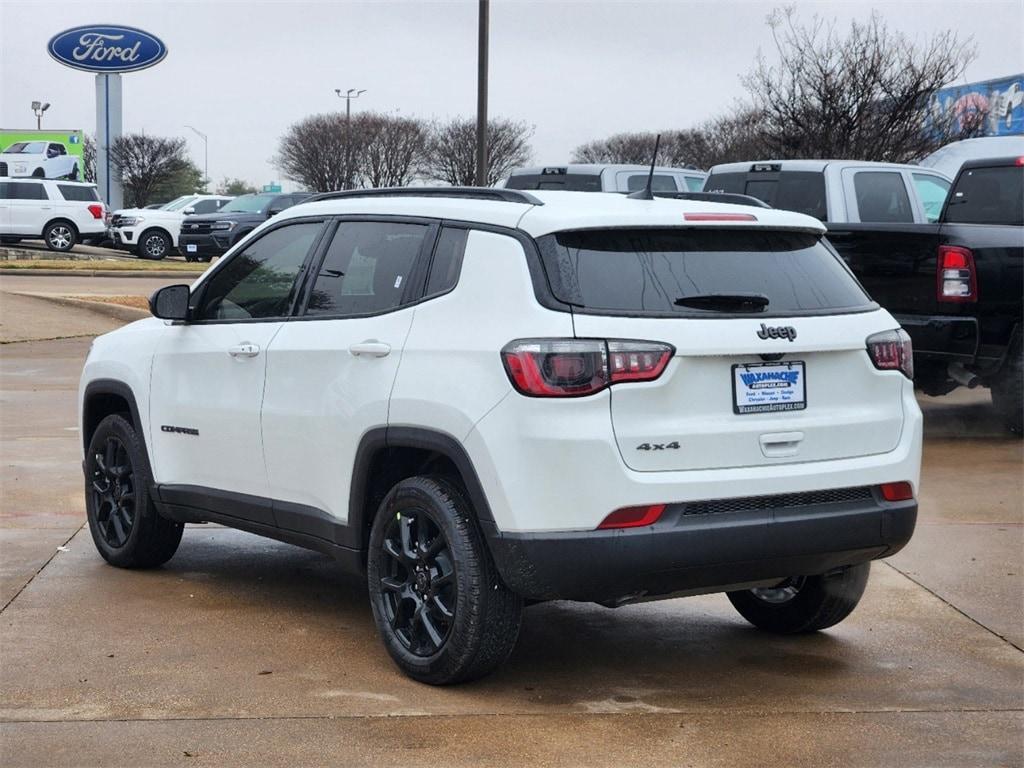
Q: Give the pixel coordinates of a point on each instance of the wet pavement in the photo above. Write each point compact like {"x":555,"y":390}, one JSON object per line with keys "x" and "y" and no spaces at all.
{"x":244,"y":651}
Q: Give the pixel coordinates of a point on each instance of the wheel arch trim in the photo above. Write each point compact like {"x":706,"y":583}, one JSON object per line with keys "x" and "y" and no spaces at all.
{"x":118,"y":388}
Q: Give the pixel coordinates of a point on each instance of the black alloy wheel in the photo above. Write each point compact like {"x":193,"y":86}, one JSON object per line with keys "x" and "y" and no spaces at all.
{"x":113,"y":489}
{"x":417,"y":583}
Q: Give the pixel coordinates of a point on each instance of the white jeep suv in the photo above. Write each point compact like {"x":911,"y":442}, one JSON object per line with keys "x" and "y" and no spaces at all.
{"x":152,"y":233}
{"x":61,"y":213}
{"x":482,"y":398}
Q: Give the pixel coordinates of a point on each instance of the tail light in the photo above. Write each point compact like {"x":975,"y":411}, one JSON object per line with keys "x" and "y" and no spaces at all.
{"x":956,"y":279}
{"x":897,"y":491}
{"x":892,"y":351}
{"x":633,"y":517}
{"x":96,"y":211}
{"x":579,"y":367}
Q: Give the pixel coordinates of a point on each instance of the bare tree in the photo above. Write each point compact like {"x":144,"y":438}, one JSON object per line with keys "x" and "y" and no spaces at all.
{"x":678,"y":148}
{"x":863,"y":95}
{"x":312,"y":152}
{"x":89,"y":159}
{"x":392,"y":149}
{"x":147,"y":163}
{"x":450,"y":153}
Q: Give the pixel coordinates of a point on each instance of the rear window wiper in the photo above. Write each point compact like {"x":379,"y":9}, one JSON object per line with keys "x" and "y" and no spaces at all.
{"x":725,"y":302}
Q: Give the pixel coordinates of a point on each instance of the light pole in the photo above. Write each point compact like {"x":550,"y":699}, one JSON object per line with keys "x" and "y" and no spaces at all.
{"x":38,"y":107}
{"x":350,"y":94}
{"x":206,"y":156}
{"x":481,"y":94}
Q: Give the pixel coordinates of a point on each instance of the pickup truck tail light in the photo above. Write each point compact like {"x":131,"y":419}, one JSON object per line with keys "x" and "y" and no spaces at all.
{"x":96,"y":210}
{"x":579,"y":367}
{"x":956,"y":278}
{"x":892,"y":351}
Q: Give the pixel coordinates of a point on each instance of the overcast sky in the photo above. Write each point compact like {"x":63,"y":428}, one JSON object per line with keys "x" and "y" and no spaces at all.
{"x":243,"y":71}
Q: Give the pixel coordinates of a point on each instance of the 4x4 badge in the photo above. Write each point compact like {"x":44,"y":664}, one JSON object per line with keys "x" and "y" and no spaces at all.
{"x":777,"y":332}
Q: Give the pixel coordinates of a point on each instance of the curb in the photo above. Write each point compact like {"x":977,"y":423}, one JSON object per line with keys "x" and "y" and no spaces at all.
{"x":98,"y":273}
{"x":106,"y":309}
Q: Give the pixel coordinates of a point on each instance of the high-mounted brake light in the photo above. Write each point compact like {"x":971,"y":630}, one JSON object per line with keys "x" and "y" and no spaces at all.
{"x":633,"y":517}
{"x":955,"y":278}
{"x":579,"y":367}
{"x":897,"y":491}
{"x":892,"y":351}
{"x":719,"y":217}
{"x":96,"y":211}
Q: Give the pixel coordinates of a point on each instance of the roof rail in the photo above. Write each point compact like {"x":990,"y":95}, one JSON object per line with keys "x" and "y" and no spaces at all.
{"x":716,"y":197}
{"x":475,"y":193}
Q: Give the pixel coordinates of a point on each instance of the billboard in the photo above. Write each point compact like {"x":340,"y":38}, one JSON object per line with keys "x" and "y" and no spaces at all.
{"x":1001,"y":99}
{"x":36,"y":153}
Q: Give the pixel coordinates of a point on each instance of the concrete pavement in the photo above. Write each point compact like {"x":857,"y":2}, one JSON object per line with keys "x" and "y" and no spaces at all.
{"x":244,"y":651}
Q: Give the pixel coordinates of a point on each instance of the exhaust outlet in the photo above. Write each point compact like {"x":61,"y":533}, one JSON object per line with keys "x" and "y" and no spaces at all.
{"x":962,"y":376}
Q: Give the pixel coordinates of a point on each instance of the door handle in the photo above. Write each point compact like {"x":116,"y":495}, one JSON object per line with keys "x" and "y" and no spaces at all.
{"x":370,"y":347}
{"x":245,"y":349}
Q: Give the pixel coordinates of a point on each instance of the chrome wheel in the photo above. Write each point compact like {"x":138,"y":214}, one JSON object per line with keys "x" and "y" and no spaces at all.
{"x":60,"y":237}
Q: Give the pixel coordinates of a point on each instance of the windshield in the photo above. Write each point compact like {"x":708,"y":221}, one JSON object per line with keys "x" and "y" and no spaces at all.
{"x":248,"y":204}
{"x":26,"y":148}
{"x":178,"y":203}
{"x":699,"y":273}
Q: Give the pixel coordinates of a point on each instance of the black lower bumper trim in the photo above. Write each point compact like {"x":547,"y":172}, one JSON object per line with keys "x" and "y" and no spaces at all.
{"x":699,"y":553}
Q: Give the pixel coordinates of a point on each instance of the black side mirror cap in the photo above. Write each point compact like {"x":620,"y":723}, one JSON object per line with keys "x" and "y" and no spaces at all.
{"x":170,"y":302}
{"x":274,"y":212}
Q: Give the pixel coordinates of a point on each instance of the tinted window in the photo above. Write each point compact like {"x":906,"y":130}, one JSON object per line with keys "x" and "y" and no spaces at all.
{"x":26,"y":190}
{"x":882,"y":197}
{"x":932,"y":190}
{"x":447,"y":261}
{"x":571,"y":182}
{"x":800,"y":191}
{"x":366,"y":268}
{"x":660,"y":183}
{"x":988,"y":196}
{"x":726,"y":182}
{"x":207,"y":206}
{"x":259,"y":282}
{"x":646,"y":271}
{"x":81,"y":194}
{"x":694,"y":184}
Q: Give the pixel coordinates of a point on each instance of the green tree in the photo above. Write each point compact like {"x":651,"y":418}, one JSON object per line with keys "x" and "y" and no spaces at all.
{"x":186,"y":180}
{"x":153,"y":168}
{"x":235,"y":187}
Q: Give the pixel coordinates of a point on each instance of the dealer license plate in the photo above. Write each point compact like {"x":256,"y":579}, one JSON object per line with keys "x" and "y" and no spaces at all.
{"x":190,"y":248}
{"x":764,"y":387}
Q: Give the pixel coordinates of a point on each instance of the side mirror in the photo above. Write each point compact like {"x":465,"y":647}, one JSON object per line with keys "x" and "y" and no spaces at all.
{"x":189,"y":211}
{"x":274,"y":212}
{"x":170,"y":302}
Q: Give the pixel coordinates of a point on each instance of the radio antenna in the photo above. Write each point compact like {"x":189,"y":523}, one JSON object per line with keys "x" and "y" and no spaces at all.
{"x":647,"y":192}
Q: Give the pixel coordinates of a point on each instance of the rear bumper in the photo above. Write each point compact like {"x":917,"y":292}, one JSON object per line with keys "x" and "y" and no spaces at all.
{"x":685,"y":552}
{"x":942,"y":337}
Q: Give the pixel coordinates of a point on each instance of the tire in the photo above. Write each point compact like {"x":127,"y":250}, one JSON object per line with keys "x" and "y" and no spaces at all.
{"x":1008,"y":392}
{"x":125,"y":526}
{"x":38,"y":173}
{"x":154,"y":244}
{"x":190,"y":256}
{"x":471,"y":619}
{"x":60,"y":236}
{"x":804,"y":603}
{"x":205,"y":259}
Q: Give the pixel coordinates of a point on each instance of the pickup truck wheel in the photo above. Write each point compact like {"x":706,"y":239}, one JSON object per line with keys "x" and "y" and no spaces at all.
{"x":60,"y":236}
{"x":1008,"y":392}
{"x":804,"y":603}
{"x":440,"y":608}
{"x":154,"y":244}
{"x":125,"y":526}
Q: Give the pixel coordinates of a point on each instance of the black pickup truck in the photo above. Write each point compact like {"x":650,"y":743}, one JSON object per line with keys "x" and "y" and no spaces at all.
{"x":953,"y":276}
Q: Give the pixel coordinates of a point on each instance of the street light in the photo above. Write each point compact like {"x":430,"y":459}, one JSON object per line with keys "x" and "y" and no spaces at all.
{"x":350,"y":94}
{"x":206,"y":155}
{"x":483,"y":31}
{"x":38,"y":107}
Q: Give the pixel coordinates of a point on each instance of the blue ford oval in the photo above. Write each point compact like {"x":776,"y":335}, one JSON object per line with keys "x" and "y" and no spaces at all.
{"x":106,"y":48}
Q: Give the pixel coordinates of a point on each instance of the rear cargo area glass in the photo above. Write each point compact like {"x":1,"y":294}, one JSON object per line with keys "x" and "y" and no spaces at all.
{"x":644,"y":271}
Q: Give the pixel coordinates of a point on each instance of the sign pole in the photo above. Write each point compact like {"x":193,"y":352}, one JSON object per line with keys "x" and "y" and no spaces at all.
{"x":108,"y":130}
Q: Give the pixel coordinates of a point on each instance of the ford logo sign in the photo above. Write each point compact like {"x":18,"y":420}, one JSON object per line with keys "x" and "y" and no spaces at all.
{"x":106,"y":48}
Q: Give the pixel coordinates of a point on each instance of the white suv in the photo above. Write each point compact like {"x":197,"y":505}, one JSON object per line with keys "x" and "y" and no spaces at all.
{"x":152,"y":233}
{"x":483,"y":398}
{"x":61,"y":213}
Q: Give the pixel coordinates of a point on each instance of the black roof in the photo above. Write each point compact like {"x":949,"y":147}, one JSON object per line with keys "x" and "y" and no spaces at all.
{"x":994,"y":162}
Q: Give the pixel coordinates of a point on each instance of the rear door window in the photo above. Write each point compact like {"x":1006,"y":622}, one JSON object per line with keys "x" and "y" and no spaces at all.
{"x":988,"y":196}
{"x":206,"y":206}
{"x":26,"y":190}
{"x":447,"y":260}
{"x":799,"y":191}
{"x":932,"y":191}
{"x":645,"y":272}
{"x":366,"y":269}
{"x":882,"y":197}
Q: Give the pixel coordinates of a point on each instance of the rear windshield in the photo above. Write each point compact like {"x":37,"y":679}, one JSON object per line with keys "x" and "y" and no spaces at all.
{"x":570,"y":182}
{"x":800,"y":191}
{"x":988,"y":196}
{"x":81,"y":194}
{"x":646,"y":271}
